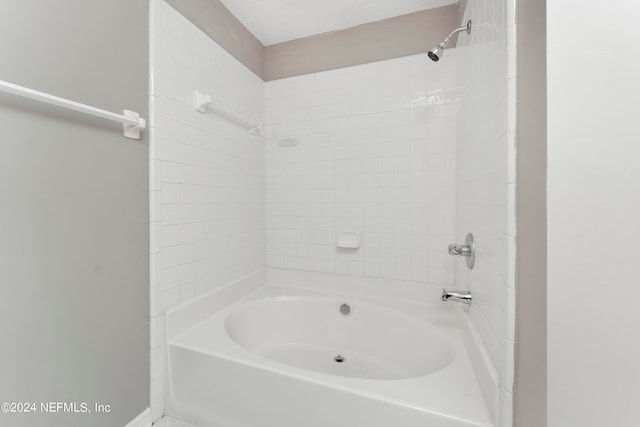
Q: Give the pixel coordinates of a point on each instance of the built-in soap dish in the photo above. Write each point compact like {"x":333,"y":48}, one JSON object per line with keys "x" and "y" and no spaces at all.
{"x":288,"y":143}
{"x":348,"y":239}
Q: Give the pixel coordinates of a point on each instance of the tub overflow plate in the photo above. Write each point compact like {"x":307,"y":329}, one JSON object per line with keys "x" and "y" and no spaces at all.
{"x":339,"y":358}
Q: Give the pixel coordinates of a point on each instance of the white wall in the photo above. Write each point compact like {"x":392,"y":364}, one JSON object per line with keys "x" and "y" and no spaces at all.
{"x":485,"y":181}
{"x":593,"y":213}
{"x":376,"y":155}
{"x":207,"y":174}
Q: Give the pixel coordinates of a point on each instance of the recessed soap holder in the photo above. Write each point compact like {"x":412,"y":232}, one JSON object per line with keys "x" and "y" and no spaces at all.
{"x":348,"y":239}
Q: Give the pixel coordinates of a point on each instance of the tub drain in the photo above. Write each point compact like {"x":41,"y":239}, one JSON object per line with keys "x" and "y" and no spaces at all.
{"x":339,"y":358}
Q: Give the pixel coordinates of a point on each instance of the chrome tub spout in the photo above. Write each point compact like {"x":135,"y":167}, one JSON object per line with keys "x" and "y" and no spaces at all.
{"x":463,"y":297}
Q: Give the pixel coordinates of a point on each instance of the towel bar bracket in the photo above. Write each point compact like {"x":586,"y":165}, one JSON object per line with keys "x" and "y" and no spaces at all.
{"x":132,"y":131}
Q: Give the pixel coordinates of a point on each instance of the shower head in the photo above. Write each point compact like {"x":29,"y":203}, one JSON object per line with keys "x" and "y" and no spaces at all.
{"x":436,"y":53}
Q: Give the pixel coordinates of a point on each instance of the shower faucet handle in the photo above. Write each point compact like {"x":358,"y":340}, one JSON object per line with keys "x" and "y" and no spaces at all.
{"x":454,"y":249}
{"x":461,"y":250}
{"x":466,"y":250}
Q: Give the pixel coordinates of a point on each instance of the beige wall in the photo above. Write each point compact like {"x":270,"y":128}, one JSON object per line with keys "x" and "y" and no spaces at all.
{"x":217,"y":22}
{"x":74,"y":216}
{"x":462,"y":6}
{"x":390,"y":38}
{"x":530,"y":405}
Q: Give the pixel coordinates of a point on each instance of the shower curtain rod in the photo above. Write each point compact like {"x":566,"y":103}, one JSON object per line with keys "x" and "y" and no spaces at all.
{"x":131,"y":121}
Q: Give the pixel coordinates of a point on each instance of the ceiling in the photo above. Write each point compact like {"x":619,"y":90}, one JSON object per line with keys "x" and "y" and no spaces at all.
{"x":277,"y":21}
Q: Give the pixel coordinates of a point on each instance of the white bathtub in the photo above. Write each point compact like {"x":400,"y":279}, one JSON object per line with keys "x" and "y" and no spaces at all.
{"x":286,"y":356}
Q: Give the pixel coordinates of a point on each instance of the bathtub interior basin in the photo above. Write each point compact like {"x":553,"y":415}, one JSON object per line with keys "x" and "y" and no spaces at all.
{"x":337,"y":337}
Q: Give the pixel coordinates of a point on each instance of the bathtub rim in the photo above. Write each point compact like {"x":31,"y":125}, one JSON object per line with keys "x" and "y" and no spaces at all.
{"x":190,"y":314}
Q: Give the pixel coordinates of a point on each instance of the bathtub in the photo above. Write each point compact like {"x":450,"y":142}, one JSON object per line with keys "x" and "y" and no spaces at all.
{"x":289,"y":351}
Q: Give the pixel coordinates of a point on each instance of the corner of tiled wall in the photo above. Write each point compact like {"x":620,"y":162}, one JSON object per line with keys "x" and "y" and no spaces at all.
{"x":486,"y":181}
{"x":206,"y":178}
{"x":155,"y":313}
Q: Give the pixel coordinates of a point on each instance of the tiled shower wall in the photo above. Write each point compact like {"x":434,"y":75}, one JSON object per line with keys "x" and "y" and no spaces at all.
{"x":207,"y":174}
{"x":485,"y":177}
{"x":375,"y":154}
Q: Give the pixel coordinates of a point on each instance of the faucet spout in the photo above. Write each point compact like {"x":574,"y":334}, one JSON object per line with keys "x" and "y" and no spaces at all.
{"x":463,"y":297}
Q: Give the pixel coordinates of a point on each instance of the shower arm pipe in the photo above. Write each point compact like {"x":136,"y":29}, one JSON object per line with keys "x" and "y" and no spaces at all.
{"x":132,"y":123}
{"x":466,"y":28}
{"x":201,"y":101}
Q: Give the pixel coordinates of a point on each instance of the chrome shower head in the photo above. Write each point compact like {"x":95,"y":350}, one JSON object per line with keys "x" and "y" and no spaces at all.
{"x":436,"y":53}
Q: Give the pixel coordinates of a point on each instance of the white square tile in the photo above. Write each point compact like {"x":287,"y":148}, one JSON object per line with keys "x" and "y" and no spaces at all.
{"x":156,"y":363}
{"x":170,"y":299}
{"x":156,"y":399}
{"x":156,"y":329}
